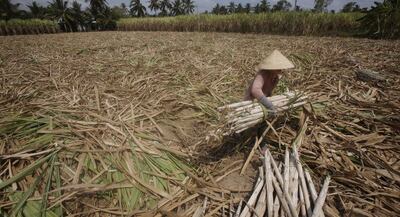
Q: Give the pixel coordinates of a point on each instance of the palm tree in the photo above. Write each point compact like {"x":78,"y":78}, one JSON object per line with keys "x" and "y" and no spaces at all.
{"x":382,"y":20}
{"x":282,"y":5}
{"x":97,"y":7}
{"x":264,"y":6}
{"x":58,"y":10}
{"x":188,"y":6}
{"x":37,"y":11}
{"x":257,"y":8}
{"x":137,"y":8}
{"x":223,"y":10}
{"x":78,"y":16}
{"x":106,"y":20}
{"x":9,"y":10}
{"x":231,"y":7}
{"x":239,"y":8}
{"x":154,"y":5}
{"x":351,"y":7}
{"x":165,"y":6}
{"x":321,"y":5}
{"x":125,"y":10}
{"x":177,"y":8}
{"x":247,"y":8}
{"x":216,"y":9}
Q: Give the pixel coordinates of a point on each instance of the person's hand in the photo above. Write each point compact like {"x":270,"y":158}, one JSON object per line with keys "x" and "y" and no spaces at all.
{"x":266,"y":103}
{"x":271,"y":111}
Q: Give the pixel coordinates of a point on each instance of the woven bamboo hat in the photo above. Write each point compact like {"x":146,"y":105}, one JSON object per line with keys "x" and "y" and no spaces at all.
{"x":275,"y":61}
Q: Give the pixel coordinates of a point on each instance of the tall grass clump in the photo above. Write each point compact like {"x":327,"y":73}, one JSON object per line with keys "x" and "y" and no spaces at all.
{"x":30,"y":26}
{"x":287,"y":23}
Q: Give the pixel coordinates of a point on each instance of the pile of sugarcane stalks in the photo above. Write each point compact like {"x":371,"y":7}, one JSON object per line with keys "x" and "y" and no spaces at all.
{"x":244,"y":115}
{"x":290,"y":192}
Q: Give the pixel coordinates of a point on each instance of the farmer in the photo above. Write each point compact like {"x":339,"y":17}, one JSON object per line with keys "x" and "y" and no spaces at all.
{"x":268,"y":74}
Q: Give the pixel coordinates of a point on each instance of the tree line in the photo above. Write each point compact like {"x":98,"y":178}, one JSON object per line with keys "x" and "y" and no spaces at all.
{"x":380,"y":21}
{"x":97,"y":16}
{"x":282,"y":5}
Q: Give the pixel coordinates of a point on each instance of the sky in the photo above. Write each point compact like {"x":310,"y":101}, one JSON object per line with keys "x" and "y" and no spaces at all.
{"x":203,"y":5}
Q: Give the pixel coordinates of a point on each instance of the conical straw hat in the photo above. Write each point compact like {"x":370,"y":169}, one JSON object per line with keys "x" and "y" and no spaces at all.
{"x":275,"y":61}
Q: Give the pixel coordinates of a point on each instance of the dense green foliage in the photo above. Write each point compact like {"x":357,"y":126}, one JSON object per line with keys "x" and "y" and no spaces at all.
{"x":288,"y":23}
{"x":383,"y":20}
{"x":353,"y":7}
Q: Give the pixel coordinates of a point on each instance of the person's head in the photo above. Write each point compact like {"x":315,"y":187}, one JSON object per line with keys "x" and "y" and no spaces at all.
{"x":275,"y":63}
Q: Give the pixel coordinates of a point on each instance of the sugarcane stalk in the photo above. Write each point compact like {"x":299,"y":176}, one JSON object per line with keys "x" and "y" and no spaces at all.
{"x":243,"y":119}
{"x":276,"y":207}
{"x":277,"y":97}
{"x":286,"y":175}
{"x":239,"y":209}
{"x":253,"y":197}
{"x":280,"y":99}
{"x":286,"y":170}
{"x":280,"y":180}
{"x":255,"y":110}
{"x":261,"y":206}
{"x":246,"y":108}
{"x":288,"y":103}
{"x":245,"y":126}
{"x":294,"y":185}
{"x":311,"y":186}
{"x":230,"y":208}
{"x":235,"y":105}
{"x":302,"y":182}
{"x":281,"y":197}
{"x":313,"y":192}
{"x":284,"y":108}
{"x":268,"y":183}
{"x":198,"y":212}
{"x":302,"y":205}
{"x":241,"y":125}
{"x":205,"y":205}
{"x":258,"y":109}
{"x":246,"y":114}
{"x":239,"y":118}
{"x":248,"y":118}
{"x":321,"y":198}
{"x":277,"y":103}
{"x":248,"y":104}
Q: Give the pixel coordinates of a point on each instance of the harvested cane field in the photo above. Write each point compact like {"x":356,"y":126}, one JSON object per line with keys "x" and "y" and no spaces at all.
{"x":118,"y":123}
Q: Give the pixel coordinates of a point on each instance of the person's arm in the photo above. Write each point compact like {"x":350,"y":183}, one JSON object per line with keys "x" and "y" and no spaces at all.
{"x":256,"y":91}
{"x":256,"y":87}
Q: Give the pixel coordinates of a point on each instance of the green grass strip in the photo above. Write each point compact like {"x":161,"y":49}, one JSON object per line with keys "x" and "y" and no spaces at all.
{"x":28,"y":170}
{"x":25,"y":197}
{"x":43,"y":208}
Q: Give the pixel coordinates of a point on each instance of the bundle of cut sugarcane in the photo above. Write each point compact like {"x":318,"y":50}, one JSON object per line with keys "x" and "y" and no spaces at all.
{"x":288,"y":193}
{"x":243,"y":115}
